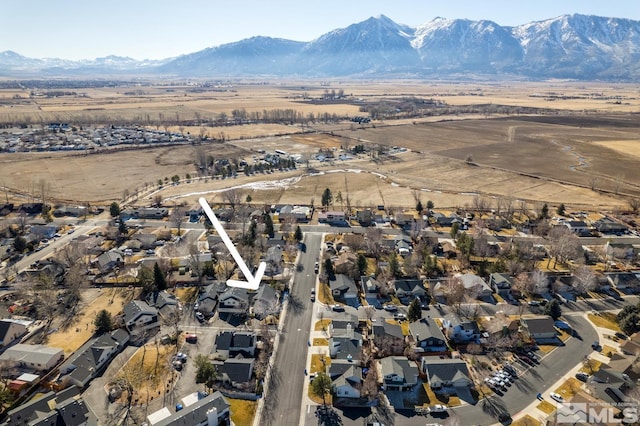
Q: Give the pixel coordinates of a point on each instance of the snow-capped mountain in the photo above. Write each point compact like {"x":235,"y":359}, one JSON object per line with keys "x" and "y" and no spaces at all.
{"x":570,"y":46}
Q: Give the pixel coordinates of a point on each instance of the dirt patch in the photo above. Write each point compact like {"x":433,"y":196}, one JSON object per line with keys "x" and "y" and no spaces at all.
{"x":111,"y":299}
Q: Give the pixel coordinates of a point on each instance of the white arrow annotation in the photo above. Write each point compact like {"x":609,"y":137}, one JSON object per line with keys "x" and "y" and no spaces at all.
{"x":253,"y":282}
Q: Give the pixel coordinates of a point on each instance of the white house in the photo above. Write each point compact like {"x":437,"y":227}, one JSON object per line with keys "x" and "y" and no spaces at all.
{"x":11,"y":330}
{"x":33,"y":357}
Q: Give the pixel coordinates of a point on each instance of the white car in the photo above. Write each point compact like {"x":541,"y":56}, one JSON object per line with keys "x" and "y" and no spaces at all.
{"x":556,"y":397}
{"x":391,"y":308}
{"x":438,"y":408}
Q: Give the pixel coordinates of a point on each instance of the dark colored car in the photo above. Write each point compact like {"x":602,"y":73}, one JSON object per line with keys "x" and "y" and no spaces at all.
{"x":583,"y":377}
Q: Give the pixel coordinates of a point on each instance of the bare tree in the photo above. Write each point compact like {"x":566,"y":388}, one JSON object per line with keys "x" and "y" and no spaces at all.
{"x":634,"y":204}
{"x":454,"y":292}
{"x":584,"y":279}
{"x":233,"y":198}
{"x":594,"y":181}
{"x":178,"y":217}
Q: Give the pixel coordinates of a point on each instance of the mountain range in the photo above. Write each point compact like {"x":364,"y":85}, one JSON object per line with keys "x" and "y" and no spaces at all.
{"x":580,"y":47}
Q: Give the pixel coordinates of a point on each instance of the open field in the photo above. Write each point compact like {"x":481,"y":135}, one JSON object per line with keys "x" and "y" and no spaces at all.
{"x":586,"y":160}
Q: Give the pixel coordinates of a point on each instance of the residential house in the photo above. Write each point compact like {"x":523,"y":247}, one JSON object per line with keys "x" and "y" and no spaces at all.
{"x":234,"y":301}
{"x":166,"y":303}
{"x":236,"y":371}
{"x":345,"y":263}
{"x":346,"y":325}
{"x":442,"y":220}
{"x":347,"y":346}
{"x":398,"y":373}
{"x":10,"y":331}
{"x":475,"y":286}
{"x":607,"y":225}
{"x":427,"y":335}
{"x":145,"y":213}
{"x":109,"y":260}
{"x":228,"y":344}
{"x":540,"y":329}
{"x":266,"y":301}
{"x":210,"y":410}
{"x":76,"y":211}
{"x":613,"y":382}
{"x":501,"y":284}
{"x":409,"y":289}
{"x":140,"y":319}
{"x":448,"y":375}
{"x":579,"y":227}
{"x":31,"y":208}
{"x":626,"y":282}
{"x":208,"y":300}
{"x":403,"y":247}
{"x":347,"y":379}
{"x":64,"y":408}
{"x":344,"y":290}
{"x":43,"y":231}
{"x":88,"y":361}
{"x":301,"y":214}
{"x":32,"y":357}
{"x":333,"y":218}
{"x":388,"y":338}
{"x":404,"y":220}
{"x":623,"y":251}
{"x":370,"y":287}
{"x":147,"y":241}
{"x":461,"y":331}
{"x":628,"y":347}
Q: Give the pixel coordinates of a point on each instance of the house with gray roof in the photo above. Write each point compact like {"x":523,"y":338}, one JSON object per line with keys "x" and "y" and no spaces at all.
{"x":109,"y":260}
{"x":398,"y":373}
{"x":208,"y":300}
{"x":346,"y":347}
{"x":540,"y":329}
{"x":207,"y":410}
{"x":140,"y":318}
{"x":344,"y":290}
{"x":370,"y":287}
{"x":64,"y":408}
{"x":346,"y":379}
{"x":87,"y":362}
{"x":32,"y":357}
{"x":234,"y":300}
{"x":448,"y":375}
{"x":427,"y":335}
{"x":409,"y":289}
{"x":236,"y":370}
{"x":475,"y":286}
{"x":228,"y":344}
{"x":10,"y":331}
{"x":166,"y":303}
{"x":626,"y":282}
{"x":460,"y":331}
{"x":266,"y":301}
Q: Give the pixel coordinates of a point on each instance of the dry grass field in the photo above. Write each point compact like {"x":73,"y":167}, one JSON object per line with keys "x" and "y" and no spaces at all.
{"x":585,"y":154}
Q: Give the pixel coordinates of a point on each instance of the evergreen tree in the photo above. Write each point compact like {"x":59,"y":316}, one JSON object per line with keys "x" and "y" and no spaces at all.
{"x":430,"y":205}
{"x":327,"y":198}
{"x":419,"y":206}
{"x":561,"y":210}
{"x":19,"y":244}
{"x":103,"y":322}
{"x":159,"y":280}
{"x":114,"y":209}
{"x":298,"y":234}
{"x":328,"y":269}
{"x":268,"y":225}
{"x":321,"y":386}
{"x":415,"y":310}
{"x":394,"y":266}
{"x":362,"y":264}
{"x":553,"y":309}
{"x":455,"y":227}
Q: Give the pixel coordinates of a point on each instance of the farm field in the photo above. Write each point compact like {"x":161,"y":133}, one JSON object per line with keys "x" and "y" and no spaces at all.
{"x":583,"y":154}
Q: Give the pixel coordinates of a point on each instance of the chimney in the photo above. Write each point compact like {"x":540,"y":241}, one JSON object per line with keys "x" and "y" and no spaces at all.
{"x":212,"y":417}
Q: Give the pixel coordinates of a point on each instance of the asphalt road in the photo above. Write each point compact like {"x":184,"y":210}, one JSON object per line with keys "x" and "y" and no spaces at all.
{"x":284,"y":398}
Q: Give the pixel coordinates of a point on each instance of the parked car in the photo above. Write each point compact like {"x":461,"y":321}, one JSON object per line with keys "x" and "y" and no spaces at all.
{"x":337,"y":308}
{"x":438,"y":408}
{"x":556,"y":397}
{"x":191,"y":338}
{"x":316,"y":267}
{"x":181,"y":357}
{"x":504,"y":417}
{"x":391,"y":308}
{"x":595,"y":345}
{"x":200,"y":316}
{"x":583,"y":377}
{"x":399,"y":316}
{"x":313,"y":298}
{"x":534,"y":303}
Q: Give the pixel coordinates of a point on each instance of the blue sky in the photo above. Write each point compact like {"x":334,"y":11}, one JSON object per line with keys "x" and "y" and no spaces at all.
{"x":155,"y":29}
